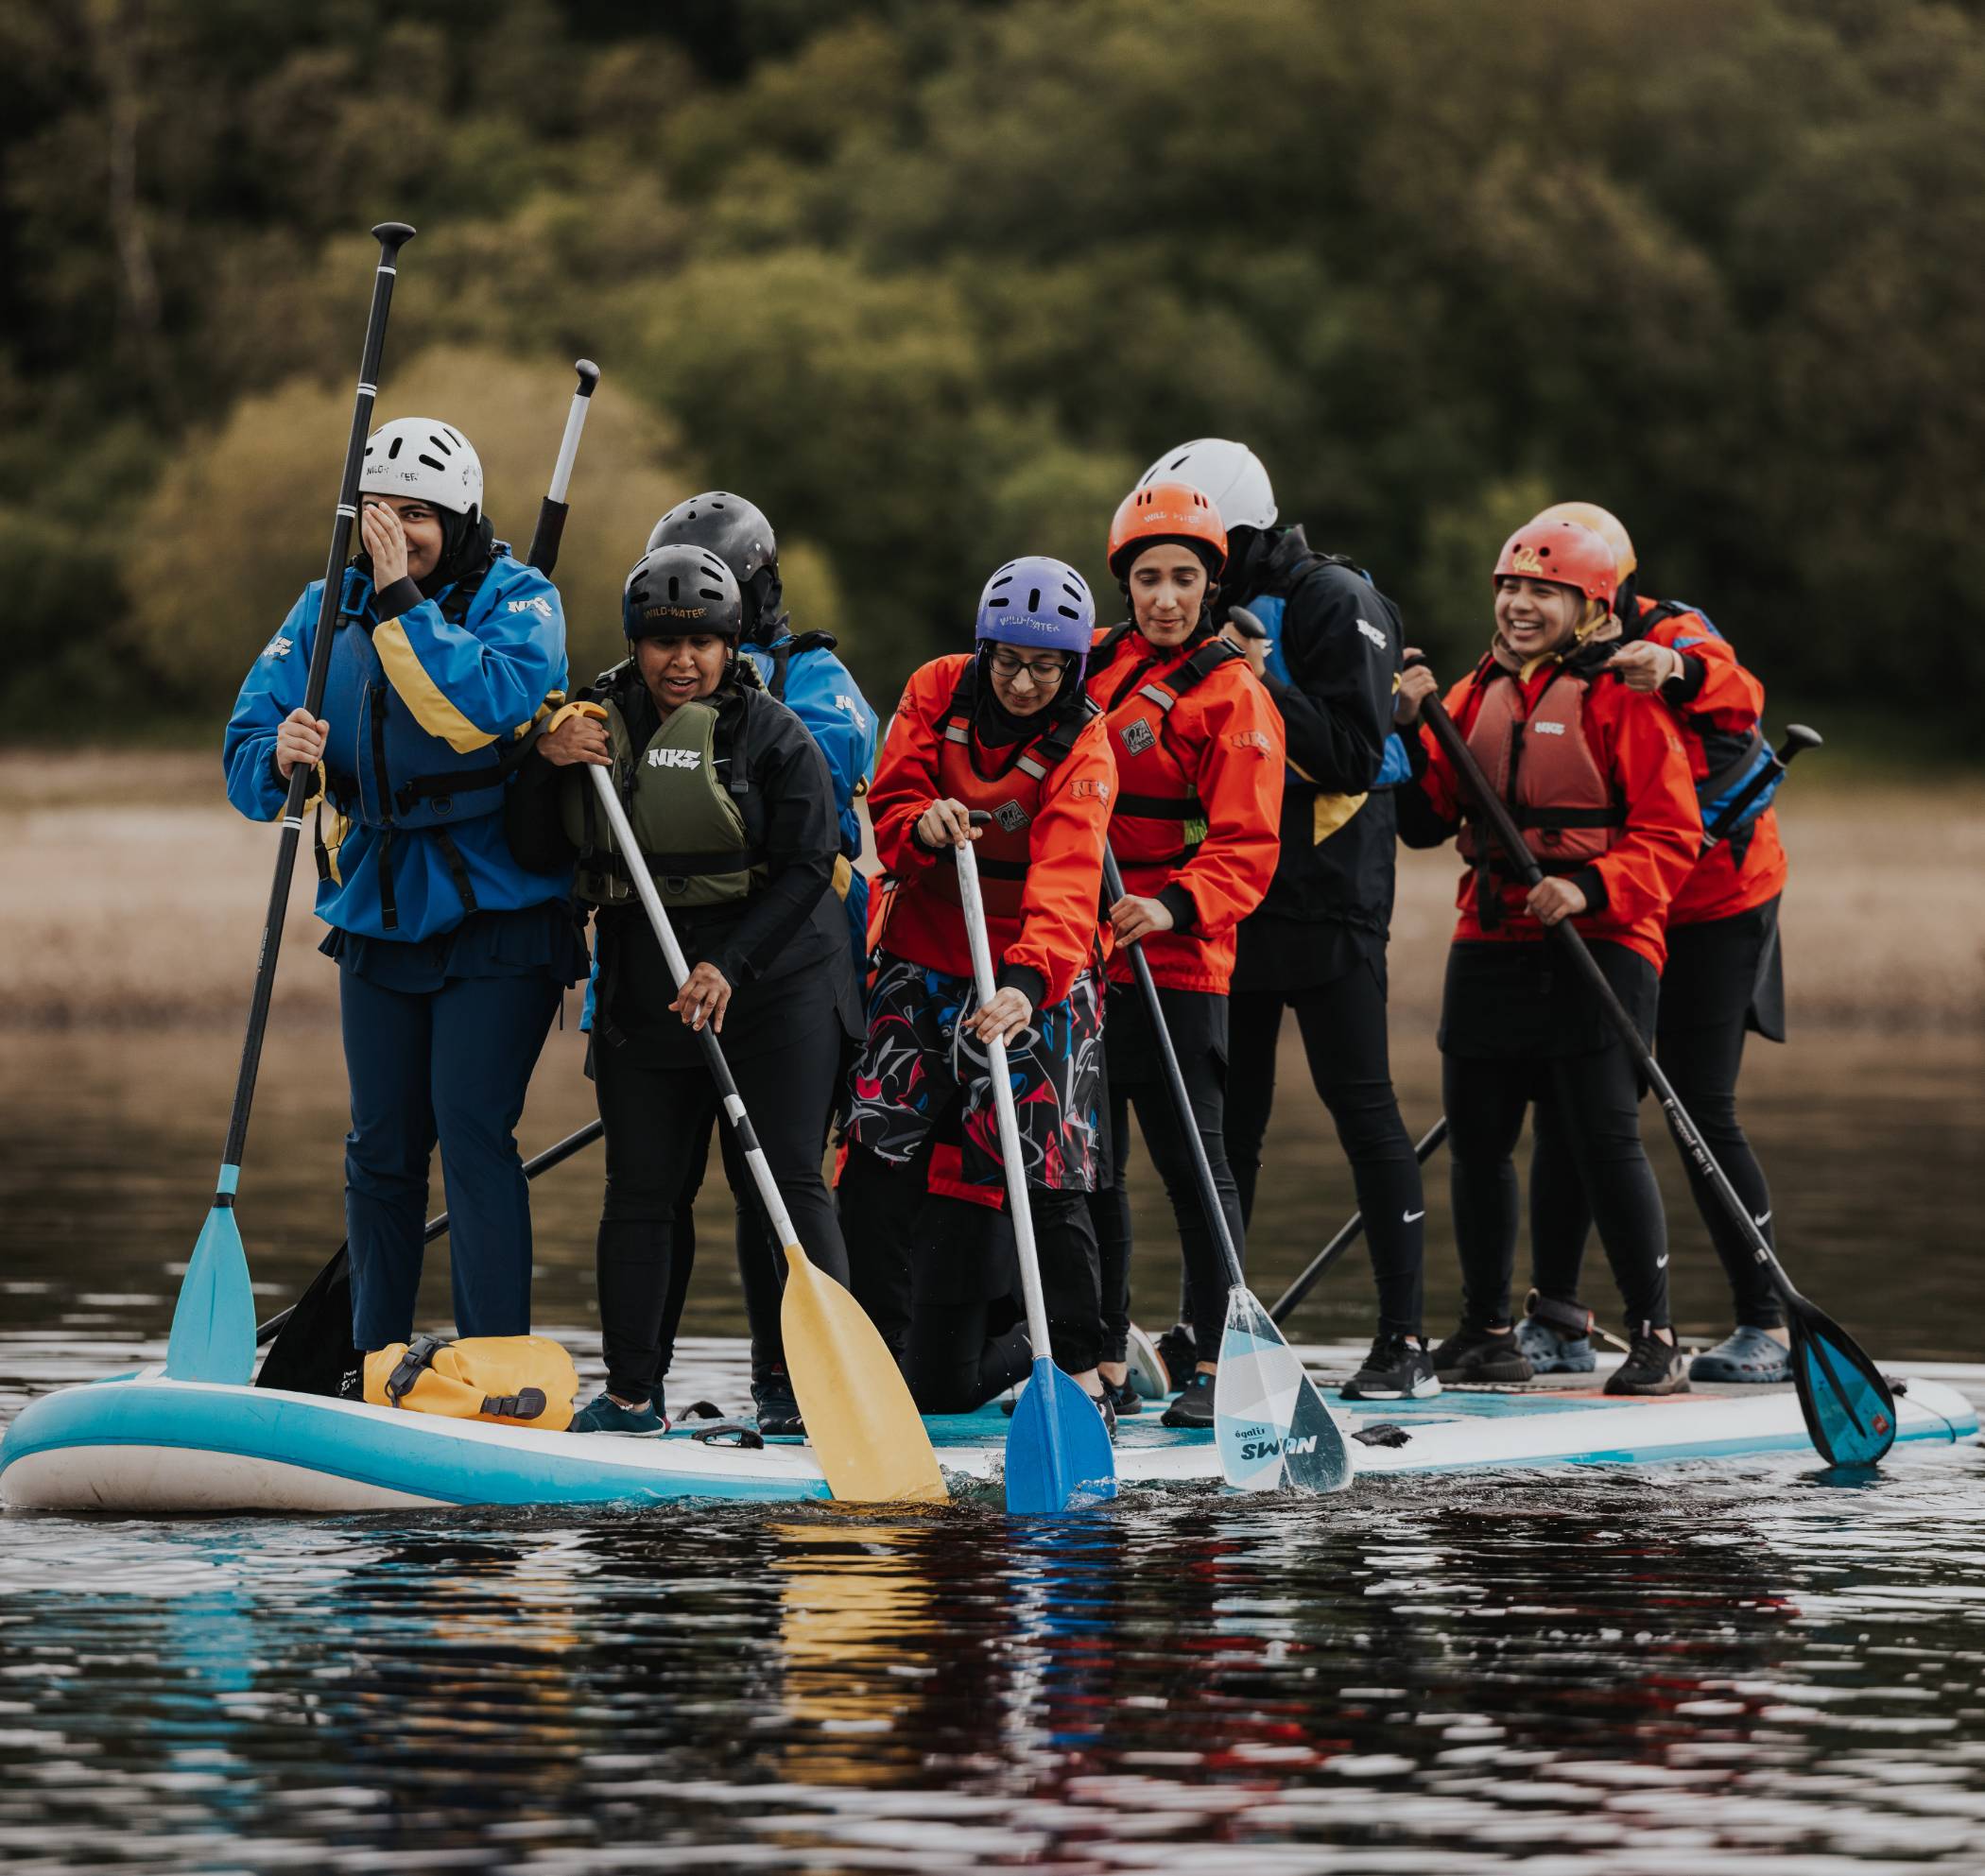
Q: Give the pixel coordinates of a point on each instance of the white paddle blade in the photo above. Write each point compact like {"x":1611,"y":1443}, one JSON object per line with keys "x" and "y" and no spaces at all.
{"x":1255,"y":1395}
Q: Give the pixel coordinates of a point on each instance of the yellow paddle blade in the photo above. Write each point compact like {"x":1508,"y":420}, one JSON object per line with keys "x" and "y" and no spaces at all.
{"x":860,"y":1420}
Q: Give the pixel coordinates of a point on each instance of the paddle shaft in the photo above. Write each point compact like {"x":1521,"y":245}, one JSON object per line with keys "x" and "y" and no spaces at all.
{"x":1798,"y":737}
{"x":1175,"y":1080}
{"x":1572,"y":946}
{"x":550,"y":529}
{"x":1286,"y":1304}
{"x":391,"y":236}
{"x":733,"y":1107}
{"x":552,"y":1156}
{"x":973,"y":905}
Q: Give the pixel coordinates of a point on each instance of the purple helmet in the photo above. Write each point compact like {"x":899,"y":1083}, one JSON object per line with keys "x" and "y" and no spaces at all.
{"x":1040,"y":603}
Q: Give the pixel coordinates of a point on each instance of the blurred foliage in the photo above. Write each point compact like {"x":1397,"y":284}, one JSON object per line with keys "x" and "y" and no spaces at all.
{"x":932,"y":280}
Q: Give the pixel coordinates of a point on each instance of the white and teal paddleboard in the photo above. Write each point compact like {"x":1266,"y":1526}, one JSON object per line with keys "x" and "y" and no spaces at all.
{"x":144,"y":1444}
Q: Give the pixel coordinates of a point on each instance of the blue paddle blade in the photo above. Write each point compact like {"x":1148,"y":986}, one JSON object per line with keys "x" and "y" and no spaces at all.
{"x":1268,"y":1421}
{"x":1849,"y":1408}
{"x":213,"y":1324}
{"x":1057,"y":1449}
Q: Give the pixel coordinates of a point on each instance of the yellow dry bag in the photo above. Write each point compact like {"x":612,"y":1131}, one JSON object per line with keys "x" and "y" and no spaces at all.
{"x":519,"y":1380}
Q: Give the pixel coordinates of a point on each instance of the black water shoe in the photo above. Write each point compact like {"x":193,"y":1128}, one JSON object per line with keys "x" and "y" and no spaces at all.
{"x":1179,"y":1352}
{"x":1652,"y":1366}
{"x":772,"y":1401}
{"x":1194,"y":1406}
{"x":1123,"y":1398}
{"x":1473,"y":1356}
{"x":1400,"y":1367}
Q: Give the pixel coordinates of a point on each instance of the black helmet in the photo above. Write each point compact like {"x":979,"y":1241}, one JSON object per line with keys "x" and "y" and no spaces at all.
{"x":676,"y":591}
{"x":739,"y":534}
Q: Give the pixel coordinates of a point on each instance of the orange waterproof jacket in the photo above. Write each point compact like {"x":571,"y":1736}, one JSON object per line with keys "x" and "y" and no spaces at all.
{"x":1042,"y":858}
{"x":1635,"y":742}
{"x":1199,"y":754}
{"x":1718,"y":705}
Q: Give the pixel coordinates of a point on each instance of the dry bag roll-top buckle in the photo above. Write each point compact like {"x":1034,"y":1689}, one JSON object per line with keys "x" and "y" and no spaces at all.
{"x":420,"y":1355}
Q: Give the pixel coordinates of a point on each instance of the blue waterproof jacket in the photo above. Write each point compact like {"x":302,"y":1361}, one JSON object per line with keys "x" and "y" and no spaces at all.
{"x":422,"y":704}
{"x":807,"y":678}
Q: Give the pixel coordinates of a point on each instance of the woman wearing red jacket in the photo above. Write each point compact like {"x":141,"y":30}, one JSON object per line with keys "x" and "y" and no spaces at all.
{"x":1724,"y":977}
{"x":1006,"y":732}
{"x":1198,"y":749}
{"x":1596,"y":776}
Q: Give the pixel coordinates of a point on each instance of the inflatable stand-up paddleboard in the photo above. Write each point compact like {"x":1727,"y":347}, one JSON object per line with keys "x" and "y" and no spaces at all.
{"x":140,"y":1443}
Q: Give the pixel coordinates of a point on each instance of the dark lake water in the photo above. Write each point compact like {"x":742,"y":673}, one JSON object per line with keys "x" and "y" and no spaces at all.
{"x":1700,"y":1668}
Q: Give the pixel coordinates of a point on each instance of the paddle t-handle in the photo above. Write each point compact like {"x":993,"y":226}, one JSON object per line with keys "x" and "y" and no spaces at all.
{"x":550,"y":529}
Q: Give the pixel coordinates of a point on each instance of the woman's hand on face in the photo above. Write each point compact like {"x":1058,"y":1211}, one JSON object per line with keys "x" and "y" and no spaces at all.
{"x":1002,"y":1019}
{"x":386,"y":541}
{"x":1552,"y":900}
{"x":947,"y":823}
{"x":299,"y":738}
{"x":1645,"y":667}
{"x":703,"y":998}
{"x":579,"y":739}
{"x":1415,"y":684}
{"x":1132,"y":917}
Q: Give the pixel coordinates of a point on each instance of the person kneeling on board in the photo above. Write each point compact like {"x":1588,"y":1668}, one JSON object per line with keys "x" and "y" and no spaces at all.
{"x":1598,"y":778}
{"x":451,"y":954}
{"x":1199,"y":754}
{"x":1724,"y":978}
{"x":732,"y":802}
{"x":1008,"y":732}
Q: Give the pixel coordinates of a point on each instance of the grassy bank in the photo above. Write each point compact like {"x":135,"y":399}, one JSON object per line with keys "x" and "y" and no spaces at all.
{"x":133,"y":896}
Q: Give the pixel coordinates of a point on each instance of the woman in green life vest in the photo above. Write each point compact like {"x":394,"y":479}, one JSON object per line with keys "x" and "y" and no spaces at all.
{"x":731,"y":801}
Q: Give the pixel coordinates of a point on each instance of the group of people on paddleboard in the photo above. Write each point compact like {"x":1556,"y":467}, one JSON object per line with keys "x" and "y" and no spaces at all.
{"x":1238,"y":756}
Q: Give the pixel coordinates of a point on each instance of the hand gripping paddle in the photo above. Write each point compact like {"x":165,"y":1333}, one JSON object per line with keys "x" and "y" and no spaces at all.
{"x":1849,"y":1409}
{"x":860,"y":1420}
{"x":1057,"y":1449}
{"x":1269,"y":1422}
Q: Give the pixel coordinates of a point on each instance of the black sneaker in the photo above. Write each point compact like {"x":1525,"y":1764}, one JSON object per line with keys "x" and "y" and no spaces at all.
{"x":1398,"y":1369}
{"x":772,"y":1400}
{"x":1124,"y":1398}
{"x":1476,"y":1355}
{"x":1179,"y":1352}
{"x":1194,"y":1406}
{"x":1106,"y":1406}
{"x":1652,"y":1366}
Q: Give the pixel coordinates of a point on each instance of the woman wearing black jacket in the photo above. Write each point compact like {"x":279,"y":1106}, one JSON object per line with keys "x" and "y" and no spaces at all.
{"x":733,"y":807}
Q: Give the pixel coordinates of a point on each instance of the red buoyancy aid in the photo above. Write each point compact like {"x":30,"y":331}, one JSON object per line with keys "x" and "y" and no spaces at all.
{"x":1540,"y":762}
{"x":1159,"y":819}
{"x":1011,"y":794}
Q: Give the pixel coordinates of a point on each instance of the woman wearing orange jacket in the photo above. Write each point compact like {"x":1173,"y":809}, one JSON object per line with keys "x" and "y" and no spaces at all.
{"x":1198,"y":748}
{"x":1595,"y":773}
{"x":1724,"y":978}
{"x":1005,"y":733}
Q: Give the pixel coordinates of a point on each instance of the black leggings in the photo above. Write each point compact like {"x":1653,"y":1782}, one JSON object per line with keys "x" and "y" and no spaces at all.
{"x":1703,"y":1063}
{"x":1596,"y":1098}
{"x":1198,"y":1021}
{"x":658,"y":1131}
{"x":938,"y":1277}
{"x":1343,"y":1028}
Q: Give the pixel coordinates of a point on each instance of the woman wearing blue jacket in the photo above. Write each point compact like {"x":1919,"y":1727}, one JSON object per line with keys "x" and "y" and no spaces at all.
{"x":452,"y":956}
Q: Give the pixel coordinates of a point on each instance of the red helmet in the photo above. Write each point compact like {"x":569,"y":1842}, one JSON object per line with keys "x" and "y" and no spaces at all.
{"x":1166,"y":512}
{"x":1564,"y":553}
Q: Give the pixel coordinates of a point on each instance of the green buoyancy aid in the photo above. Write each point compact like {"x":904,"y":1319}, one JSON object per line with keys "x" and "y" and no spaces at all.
{"x":690,"y":827}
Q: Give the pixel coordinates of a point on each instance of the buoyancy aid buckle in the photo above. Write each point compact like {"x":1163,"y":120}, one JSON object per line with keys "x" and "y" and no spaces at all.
{"x":420,"y":1354}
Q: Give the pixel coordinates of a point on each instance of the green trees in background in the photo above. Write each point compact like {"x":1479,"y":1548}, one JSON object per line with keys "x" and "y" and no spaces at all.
{"x":932,"y":280}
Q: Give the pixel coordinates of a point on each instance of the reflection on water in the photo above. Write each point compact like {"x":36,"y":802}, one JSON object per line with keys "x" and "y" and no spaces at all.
{"x":1698,"y":1668}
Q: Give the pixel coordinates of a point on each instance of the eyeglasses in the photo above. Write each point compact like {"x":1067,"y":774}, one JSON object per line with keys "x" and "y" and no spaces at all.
{"x":1044,"y":671}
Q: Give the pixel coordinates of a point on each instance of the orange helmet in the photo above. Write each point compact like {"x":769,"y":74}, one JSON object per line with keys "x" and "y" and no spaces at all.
{"x":1565,"y":553}
{"x":1603,"y":523}
{"x":1166,"y":511}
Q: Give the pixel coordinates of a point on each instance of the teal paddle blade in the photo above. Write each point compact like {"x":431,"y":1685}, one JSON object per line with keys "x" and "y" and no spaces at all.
{"x":1849,"y":1408}
{"x":214,"y":1323}
{"x":1268,"y":1422}
{"x":1058,"y":1454}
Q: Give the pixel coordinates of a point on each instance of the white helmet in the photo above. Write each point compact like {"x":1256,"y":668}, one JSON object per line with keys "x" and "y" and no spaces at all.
{"x":424,"y":457}
{"x":1230,"y":475}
